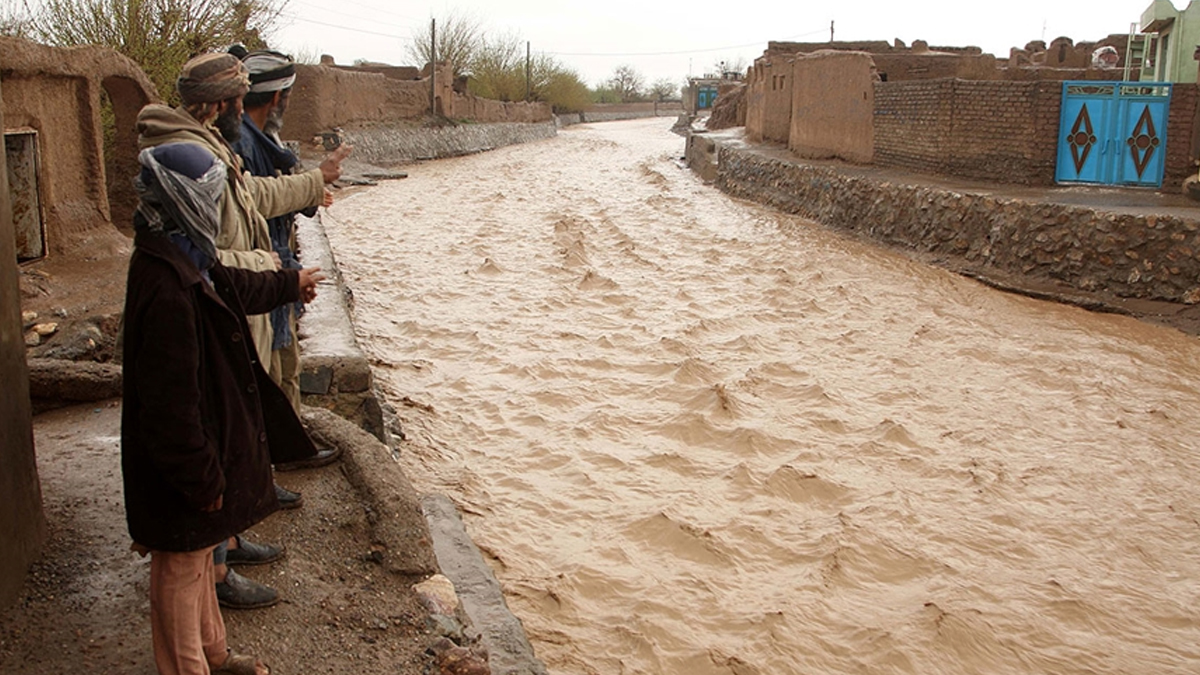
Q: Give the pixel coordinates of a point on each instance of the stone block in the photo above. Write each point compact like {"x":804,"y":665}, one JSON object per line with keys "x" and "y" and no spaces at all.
{"x":316,"y":380}
{"x":353,"y":376}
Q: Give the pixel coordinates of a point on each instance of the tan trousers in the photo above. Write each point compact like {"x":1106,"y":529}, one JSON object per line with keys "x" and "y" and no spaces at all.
{"x":285,"y":365}
{"x":185,"y":619}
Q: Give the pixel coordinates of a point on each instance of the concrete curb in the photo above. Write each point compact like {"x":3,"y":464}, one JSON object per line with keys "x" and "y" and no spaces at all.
{"x":335,"y":374}
{"x":509,"y":651}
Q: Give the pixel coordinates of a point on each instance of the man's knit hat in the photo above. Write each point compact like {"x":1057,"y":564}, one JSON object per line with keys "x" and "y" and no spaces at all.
{"x":211,"y":78}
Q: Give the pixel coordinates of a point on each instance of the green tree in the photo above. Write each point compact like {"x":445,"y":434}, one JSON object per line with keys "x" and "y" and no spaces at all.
{"x":159,"y":35}
{"x":498,"y":69}
{"x":605,"y":94}
{"x":458,"y":38}
{"x":498,"y":72}
{"x":559,"y":86}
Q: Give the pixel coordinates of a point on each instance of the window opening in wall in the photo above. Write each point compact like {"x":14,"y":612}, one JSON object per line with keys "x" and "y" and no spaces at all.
{"x":20,"y":151}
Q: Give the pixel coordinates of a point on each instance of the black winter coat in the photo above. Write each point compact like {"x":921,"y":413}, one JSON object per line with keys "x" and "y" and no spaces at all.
{"x":200,"y":417}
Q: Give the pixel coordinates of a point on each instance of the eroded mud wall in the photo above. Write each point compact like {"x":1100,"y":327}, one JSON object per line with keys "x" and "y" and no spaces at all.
{"x":326,"y":98}
{"x":22,"y":526}
{"x":69,"y":97}
{"x":832,"y":106}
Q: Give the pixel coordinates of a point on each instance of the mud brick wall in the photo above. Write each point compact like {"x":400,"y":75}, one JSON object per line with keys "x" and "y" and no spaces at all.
{"x":984,"y":130}
{"x":327,"y":97}
{"x":832,"y":106}
{"x":1135,"y":256}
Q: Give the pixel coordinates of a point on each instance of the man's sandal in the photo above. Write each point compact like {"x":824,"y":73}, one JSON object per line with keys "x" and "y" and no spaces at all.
{"x":240,"y":664}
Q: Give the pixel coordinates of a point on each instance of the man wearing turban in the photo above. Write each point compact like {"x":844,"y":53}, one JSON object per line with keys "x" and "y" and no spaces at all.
{"x":211,"y":87}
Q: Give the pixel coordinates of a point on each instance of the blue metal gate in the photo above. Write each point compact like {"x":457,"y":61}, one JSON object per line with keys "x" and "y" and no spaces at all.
{"x":1113,"y":133}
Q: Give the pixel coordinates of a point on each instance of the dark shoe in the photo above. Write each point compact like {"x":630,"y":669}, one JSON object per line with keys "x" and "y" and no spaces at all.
{"x":322,"y":458}
{"x":250,"y":553}
{"x":238,"y":592}
{"x":287,"y":498}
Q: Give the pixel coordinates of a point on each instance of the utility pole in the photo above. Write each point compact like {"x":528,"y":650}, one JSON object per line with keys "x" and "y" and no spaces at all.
{"x":831,"y":30}
{"x":433,"y":67}
{"x":528,"y":72}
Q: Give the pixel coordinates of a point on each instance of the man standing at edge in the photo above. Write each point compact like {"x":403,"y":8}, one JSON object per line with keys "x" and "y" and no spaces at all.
{"x":199,"y":416}
{"x":271,"y":78}
{"x":211,"y":87}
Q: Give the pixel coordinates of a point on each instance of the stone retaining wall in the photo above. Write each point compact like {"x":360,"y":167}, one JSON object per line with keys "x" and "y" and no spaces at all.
{"x":1133,"y":256}
{"x":335,"y":374}
{"x":398,"y":145}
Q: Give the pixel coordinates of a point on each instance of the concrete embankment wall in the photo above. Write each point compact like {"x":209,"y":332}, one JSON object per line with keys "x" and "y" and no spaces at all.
{"x":399,"y":145}
{"x":1154,"y":257}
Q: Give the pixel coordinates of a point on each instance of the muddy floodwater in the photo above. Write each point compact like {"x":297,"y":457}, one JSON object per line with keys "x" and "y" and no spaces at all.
{"x":697,"y":436}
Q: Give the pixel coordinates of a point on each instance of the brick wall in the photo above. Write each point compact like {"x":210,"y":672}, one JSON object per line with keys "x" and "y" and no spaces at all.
{"x":1181,"y":123}
{"x":998,"y":130}
{"x":980,"y":130}
{"x":911,"y":121}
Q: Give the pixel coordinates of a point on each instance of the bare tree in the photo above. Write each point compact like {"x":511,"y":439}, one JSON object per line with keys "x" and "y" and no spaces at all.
{"x":627,"y":82}
{"x":160,"y":35}
{"x":736,"y":64}
{"x":458,"y":38}
{"x":14,"y":19}
{"x":664,"y":89}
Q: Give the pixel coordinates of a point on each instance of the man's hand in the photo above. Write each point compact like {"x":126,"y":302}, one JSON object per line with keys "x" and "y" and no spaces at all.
{"x":327,"y":198}
{"x":331,"y":166}
{"x":215,"y":506}
{"x":277,"y":260}
{"x":309,"y":276}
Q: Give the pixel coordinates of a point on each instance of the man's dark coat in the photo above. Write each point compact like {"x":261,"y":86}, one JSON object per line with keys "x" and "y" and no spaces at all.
{"x":201,"y":418}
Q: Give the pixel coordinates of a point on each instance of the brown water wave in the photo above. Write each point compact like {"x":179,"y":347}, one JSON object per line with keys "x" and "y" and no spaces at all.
{"x":698,"y":436}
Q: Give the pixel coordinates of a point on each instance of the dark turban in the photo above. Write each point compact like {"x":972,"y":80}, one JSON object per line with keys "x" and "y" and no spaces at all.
{"x":211,"y":78}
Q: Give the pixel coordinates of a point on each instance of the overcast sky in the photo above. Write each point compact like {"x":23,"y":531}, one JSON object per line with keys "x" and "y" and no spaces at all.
{"x":675,"y":39}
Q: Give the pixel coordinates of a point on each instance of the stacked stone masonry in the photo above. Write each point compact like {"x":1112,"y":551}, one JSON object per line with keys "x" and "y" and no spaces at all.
{"x":1135,"y":256}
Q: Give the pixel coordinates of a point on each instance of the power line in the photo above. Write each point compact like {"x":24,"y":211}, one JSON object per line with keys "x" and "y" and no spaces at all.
{"x":348,"y":28}
{"x":412,"y":22}
{"x":684,"y":51}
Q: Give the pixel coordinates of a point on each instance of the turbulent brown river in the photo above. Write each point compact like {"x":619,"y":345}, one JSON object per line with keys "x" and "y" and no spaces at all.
{"x":697,"y":436}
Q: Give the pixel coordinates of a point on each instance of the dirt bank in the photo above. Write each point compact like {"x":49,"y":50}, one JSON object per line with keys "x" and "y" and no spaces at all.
{"x":85,"y":606}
